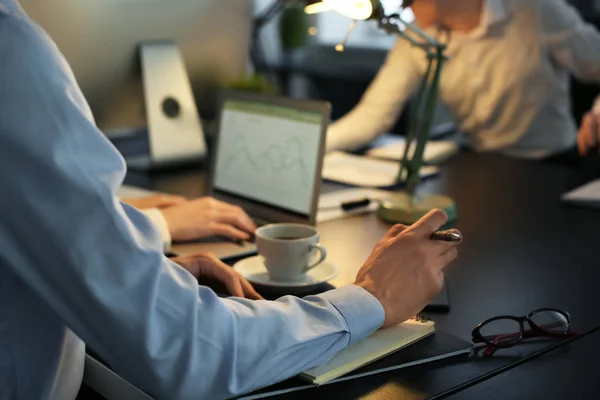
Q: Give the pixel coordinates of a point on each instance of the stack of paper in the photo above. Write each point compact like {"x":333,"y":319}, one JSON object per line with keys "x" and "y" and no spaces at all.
{"x":435,"y":151}
{"x":587,"y":195}
{"x":365,"y":171}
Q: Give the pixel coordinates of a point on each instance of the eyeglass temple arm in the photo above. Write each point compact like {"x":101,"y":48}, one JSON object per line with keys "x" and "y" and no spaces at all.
{"x":526,"y":333}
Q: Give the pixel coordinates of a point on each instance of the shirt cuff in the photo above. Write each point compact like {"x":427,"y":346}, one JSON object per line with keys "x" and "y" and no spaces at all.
{"x":159,"y":221}
{"x":363,"y":313}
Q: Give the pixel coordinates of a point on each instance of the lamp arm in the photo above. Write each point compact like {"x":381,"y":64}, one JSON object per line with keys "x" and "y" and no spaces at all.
{"x":406,"y":164}
{"x":419,"y":32}
{"x":423,"y":107}
{"x":423,"y":126}
{"x":427,"y":44}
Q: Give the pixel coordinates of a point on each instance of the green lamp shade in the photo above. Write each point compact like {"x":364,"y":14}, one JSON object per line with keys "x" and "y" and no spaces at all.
{"x":407,"y":209}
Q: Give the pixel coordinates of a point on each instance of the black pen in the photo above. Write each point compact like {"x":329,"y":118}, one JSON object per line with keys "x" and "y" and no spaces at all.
{"x":446,"y":236}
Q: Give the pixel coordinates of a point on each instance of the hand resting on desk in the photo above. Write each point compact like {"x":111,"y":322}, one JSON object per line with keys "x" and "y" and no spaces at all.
{"x":207,"y":269}
{"x":406,"y":269}
{"x":199,"y":218}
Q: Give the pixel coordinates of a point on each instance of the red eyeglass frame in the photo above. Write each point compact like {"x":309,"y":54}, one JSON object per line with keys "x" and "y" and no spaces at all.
{"x":494,"y":342}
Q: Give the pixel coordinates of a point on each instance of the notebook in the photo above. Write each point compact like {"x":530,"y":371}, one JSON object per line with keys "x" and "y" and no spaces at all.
{"x":365,"y":171}
{"x":587,"y":195}
{"x":436,"y":151}
{"x":438,"y":346}
{"x":374,"y":347}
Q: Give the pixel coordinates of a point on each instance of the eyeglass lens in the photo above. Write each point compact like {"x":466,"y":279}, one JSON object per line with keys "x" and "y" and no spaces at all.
{"x":551,"y":322}
{"x":501,"y":332}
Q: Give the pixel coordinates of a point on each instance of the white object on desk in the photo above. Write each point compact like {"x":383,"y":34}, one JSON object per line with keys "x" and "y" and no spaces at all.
{"x":330,"y":203}
{"x":254,"y":270}
{"x":435,"y":151}
{"x":364,"y":171}
{"x":587,"y":195}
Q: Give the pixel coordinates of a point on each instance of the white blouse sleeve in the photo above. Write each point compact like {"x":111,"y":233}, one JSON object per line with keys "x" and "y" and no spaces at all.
{"x":381,"y":104}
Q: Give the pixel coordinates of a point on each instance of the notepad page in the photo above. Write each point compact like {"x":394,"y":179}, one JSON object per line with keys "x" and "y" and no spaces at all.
{"x":377,"y":345}
{"x":365,"y":171}
{"x":435,"y":151}
{"x":588,"y":193}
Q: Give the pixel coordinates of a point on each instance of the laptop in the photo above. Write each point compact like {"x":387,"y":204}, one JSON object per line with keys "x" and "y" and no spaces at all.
{"x":267,"y":159}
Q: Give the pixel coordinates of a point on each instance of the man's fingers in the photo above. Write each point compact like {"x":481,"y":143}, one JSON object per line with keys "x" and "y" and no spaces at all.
{"x":430,"y":223}
{"x":447,"y":257}
{"x":234,"y":286}
{"x":395,"y":231}
{"x":228,"y":231}
{"x":249,"y":291}
{"x":441,"y":247}
{"x":237,"y":219}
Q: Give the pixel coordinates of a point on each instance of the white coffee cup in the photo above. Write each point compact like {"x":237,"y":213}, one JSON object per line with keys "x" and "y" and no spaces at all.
{"x":289,"y":250}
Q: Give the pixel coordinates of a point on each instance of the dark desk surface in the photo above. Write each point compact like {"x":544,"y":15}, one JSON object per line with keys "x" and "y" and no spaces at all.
{"x":523,"y":250}
{"x":570,"y":372}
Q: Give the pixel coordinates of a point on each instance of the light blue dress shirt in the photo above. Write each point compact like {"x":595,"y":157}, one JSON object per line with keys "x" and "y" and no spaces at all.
{"x":72,"y":256}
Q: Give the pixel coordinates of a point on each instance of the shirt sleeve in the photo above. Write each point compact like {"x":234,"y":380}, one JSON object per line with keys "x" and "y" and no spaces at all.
{"x":381,"y":104}
{"x":159,"y":221}
{"x":98,"y":264}
{"x":573,"y":44}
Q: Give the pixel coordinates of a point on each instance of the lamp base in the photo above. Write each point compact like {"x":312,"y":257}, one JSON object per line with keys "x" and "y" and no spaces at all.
{"x":403,"y":208}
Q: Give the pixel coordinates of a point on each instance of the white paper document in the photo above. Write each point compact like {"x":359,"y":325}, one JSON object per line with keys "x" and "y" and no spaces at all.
{"x":435,"y":151}
{"x":330,"y":203}
{"x":365,"y":171}
{"x":587,"y":195}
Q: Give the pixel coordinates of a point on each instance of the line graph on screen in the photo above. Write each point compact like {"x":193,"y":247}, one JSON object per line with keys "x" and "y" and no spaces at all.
{"x":278,"y":162}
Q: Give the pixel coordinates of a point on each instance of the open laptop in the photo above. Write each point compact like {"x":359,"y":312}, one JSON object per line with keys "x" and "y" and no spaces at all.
{"x":267,"y":159}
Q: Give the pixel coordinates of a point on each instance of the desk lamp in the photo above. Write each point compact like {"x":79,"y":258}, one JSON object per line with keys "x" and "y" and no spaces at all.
{"x":406,"y":206}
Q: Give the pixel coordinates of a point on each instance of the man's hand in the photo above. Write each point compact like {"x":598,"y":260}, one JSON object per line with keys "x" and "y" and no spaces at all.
{"x":206,"y":217}
{"x":405,"y":271}
{"x":589,"y":132}
{"x":206,"y":267}
{"x":154,"y":201}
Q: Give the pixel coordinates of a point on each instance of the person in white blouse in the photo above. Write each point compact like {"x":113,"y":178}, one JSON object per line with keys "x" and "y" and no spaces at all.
{"x":506,"y":82}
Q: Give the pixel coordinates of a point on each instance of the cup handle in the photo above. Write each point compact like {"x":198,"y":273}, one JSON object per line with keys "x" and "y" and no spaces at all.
{"x":321,"y":251}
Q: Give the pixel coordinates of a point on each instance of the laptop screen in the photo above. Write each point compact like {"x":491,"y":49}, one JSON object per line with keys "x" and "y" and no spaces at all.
{"x":269,"y":154}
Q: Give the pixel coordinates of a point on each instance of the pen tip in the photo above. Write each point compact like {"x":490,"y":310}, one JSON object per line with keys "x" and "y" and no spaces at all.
{"x":455,"y":237}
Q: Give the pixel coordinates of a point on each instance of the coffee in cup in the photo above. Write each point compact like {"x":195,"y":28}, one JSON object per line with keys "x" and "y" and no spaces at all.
{"x":289,"y":250}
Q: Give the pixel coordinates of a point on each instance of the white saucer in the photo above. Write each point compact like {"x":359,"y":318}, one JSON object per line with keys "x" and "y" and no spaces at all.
{"x":253,"y":269}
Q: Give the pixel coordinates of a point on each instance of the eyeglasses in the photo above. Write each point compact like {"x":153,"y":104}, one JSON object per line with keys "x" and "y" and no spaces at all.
{"x":507,"y":330}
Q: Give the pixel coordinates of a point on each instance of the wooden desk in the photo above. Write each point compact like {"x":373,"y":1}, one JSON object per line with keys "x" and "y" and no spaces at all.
{"x":523,"y":250}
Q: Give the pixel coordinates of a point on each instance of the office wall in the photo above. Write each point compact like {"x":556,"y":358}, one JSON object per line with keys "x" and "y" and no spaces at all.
{"x":100,"y":39}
